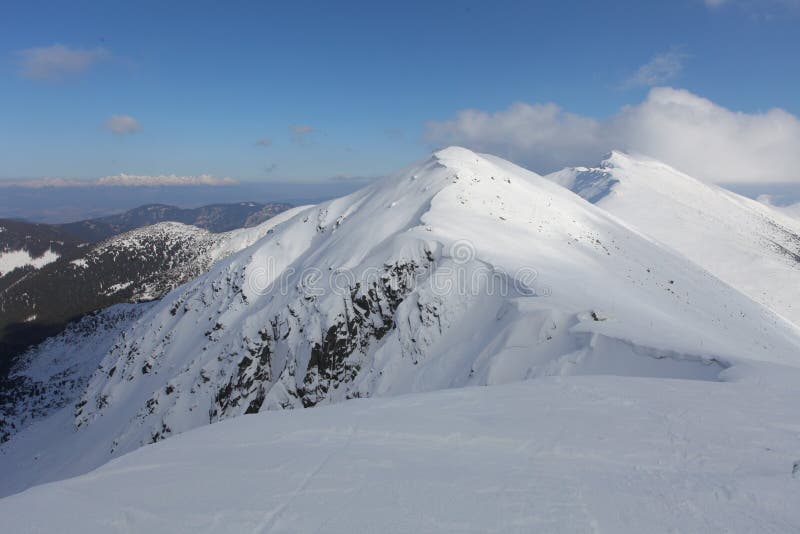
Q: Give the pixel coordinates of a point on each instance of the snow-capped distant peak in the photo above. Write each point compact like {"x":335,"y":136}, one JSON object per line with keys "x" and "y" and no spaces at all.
{"x":747,"y":244}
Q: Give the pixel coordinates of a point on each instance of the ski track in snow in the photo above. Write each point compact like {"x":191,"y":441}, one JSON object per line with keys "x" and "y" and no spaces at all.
{"x":572,"y":454}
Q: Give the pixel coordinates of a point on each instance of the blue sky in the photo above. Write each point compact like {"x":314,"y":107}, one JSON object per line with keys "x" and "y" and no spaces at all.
{"x":351,"y":88}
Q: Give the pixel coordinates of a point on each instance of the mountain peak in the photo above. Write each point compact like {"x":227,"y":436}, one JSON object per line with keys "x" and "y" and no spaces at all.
{"x":615,"y":158}
{"x":664,"y":202}
{"x":454,"y":152}
{"x":457,"y":157}
{"x":621,"y":159}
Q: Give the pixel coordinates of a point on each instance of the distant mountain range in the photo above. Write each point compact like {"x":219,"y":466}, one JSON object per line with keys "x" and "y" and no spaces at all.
{"x":52,"y":274}
{"x":214,"y":218}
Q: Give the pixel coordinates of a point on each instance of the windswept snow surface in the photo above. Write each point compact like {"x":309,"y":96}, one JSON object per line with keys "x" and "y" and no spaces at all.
{"x":753,"y":247}
{"x":791,"y":210}
{"x":571,"y":454}
{"x":462,"y":270}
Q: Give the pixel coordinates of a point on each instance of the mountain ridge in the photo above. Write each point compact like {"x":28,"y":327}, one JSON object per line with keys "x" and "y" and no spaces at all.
{"x":463,"y":269}
{"x":745,"y":243}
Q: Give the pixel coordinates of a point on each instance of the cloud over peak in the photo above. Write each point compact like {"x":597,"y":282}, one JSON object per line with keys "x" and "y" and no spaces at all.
{"x":58,"y":61}
{"x":675,"y":126}
{"x":122,"y":124}
{"x":542,"y":135}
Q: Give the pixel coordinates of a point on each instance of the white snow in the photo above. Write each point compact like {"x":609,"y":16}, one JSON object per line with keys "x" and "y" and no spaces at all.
{"x":753,"y":247}
{"x":792,"y":210}
{"x":116,"y":288}
{"x":13,"y":259}
{"x":229,"y":242}
{"x":576,"y":454}
{"x":80,"y":262}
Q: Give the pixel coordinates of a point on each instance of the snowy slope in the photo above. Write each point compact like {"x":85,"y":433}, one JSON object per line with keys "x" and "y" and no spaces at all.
{"x":54,"y":373}
{"x":574,"y":454}
{"x":140,"y":265}
{"x":751,"y":246}
{"x":462,"y":270}
{"x":185,"y":251}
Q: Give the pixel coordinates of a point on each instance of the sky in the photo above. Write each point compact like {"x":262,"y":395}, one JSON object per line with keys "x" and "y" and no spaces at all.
{"x":318,"y":91}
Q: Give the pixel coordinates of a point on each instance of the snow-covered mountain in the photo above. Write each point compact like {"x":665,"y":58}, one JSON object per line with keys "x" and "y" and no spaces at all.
{"x":140,"y":265}
{"x":213,"y":217}
{"x":745,"y":243}
{"x":790,"y":210}
{"x":33,"y":245}
{"x":461,"y":270}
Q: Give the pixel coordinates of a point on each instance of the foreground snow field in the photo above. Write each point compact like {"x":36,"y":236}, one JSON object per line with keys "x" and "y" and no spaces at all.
{"x":571,"y":454}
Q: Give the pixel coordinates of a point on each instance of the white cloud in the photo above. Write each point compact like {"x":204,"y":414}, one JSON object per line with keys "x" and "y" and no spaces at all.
{"x":758,"y":9}
{"x":543,"y":134}
{"x":660,"y":69}
{"x":122,"y":124}
{"x":301,"y":128}
{"x":682,"y":129}
{"x":710,"y":141}
{"x":123,"y":180}
{"x":37,"y":183}
{"x":163,"y":179}
{"x":58,"y":61}
{"x":300,"y":132}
